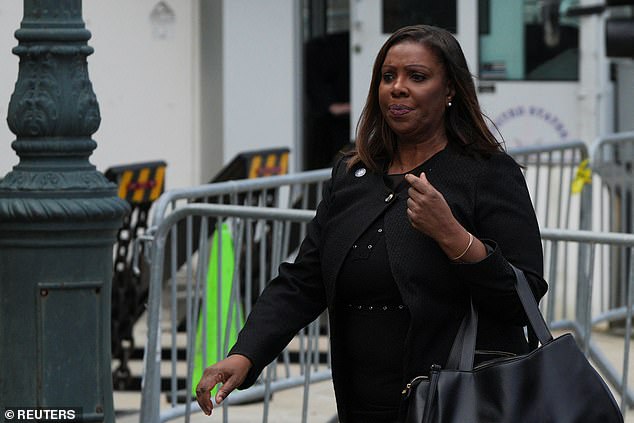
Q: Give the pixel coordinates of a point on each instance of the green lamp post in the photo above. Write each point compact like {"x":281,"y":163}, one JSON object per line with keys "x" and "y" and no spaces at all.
{"x":58,"y":222}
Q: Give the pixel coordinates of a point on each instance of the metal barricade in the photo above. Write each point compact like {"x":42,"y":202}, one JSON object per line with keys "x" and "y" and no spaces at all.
{"x":294,"y":191}
{"x":562,"y":197}
{"x":299,"y":190}
{"x":613,"y":167}
{"x":245,"y":221}
{"x":140,"y":184}
{"x":551,"y":172}
{"x":587,"y":319}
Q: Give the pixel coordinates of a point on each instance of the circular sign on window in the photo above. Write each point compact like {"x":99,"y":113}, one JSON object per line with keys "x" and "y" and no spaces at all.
{"x":530,"y":125}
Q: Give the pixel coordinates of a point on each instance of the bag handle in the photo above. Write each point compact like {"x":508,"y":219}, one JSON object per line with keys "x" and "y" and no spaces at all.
{"x":535,"y":318}
{"x":463,"y":349}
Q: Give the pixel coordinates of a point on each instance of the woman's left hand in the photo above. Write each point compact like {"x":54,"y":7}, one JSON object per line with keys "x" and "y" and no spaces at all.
{"x":428,"y":210}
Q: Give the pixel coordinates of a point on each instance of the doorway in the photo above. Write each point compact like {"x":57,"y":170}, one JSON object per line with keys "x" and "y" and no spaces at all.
{"x":326,"y":85}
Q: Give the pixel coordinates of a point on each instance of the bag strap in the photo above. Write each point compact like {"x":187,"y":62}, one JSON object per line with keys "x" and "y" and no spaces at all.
{"x":535,"y":318}
{"x":463,"y":349}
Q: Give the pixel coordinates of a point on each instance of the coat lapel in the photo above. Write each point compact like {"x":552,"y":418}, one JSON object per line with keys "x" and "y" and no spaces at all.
{"x":359,"y":201}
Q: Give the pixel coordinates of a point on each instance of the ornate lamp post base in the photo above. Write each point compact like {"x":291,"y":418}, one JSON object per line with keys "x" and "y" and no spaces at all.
{"x":58,"y":223}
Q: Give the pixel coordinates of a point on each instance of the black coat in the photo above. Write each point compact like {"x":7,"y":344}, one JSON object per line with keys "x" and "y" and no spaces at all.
{"x":489,"y":198}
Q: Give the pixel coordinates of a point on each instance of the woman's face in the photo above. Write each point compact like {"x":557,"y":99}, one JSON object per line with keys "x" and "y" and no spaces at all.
{"x":413,"y":92}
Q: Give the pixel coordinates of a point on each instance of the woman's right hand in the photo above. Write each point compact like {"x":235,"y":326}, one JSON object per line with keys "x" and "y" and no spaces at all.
{"x":231,"y":372}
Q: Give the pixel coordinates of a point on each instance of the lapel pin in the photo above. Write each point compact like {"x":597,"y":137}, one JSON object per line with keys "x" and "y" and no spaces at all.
{"x":359,"y":172}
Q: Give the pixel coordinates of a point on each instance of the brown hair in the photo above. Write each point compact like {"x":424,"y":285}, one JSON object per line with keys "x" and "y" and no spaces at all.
{"x":464,"y":122}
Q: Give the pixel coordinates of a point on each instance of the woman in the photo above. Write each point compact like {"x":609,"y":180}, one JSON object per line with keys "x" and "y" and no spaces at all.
{"x":425,"y":215}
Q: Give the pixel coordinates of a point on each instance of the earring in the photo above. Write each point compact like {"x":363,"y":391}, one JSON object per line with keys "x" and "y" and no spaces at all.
{"x":449,"y":104}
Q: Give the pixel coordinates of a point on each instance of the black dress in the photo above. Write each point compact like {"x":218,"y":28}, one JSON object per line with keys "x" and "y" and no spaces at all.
{"x":374,"y":325}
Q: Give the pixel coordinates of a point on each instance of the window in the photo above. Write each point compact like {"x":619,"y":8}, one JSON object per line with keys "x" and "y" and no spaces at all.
{"x":397,"y":14}
{"x":517,"y":43}
{"x":323,"y":17}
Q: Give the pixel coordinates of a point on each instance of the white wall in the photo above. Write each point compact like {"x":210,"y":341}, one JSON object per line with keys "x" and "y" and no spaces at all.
{"x":258,"y":66}
{"x":144,"y":85}
{"x":143,"y":82}
{"x":218,"y":80}
{"x":211,"y":95}
{"x":10,"y":17}
{"x":596,"y":93}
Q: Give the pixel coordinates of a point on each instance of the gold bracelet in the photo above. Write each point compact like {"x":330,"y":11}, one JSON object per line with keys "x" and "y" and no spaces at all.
{"x":466,"y":249}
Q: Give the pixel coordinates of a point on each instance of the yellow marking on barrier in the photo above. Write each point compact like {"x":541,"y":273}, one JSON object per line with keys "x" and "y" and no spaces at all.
{"x":144,"y":175}
{"x":158,"y":187}
{"x":582,"y":177}
{"x":270,"y":166}
{"x":284,"y":164}
{"x":123,"y":184}
{"x":256,"y":162}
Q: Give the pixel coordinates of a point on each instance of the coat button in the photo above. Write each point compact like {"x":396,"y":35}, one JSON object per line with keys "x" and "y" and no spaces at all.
{"x":389,"y":198}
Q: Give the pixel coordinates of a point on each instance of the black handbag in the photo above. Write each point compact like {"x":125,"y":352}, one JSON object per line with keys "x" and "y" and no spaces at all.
{"x":553,"y":383}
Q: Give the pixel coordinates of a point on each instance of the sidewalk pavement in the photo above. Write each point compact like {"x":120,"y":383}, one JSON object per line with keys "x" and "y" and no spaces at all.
{"x":286,"y":406}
